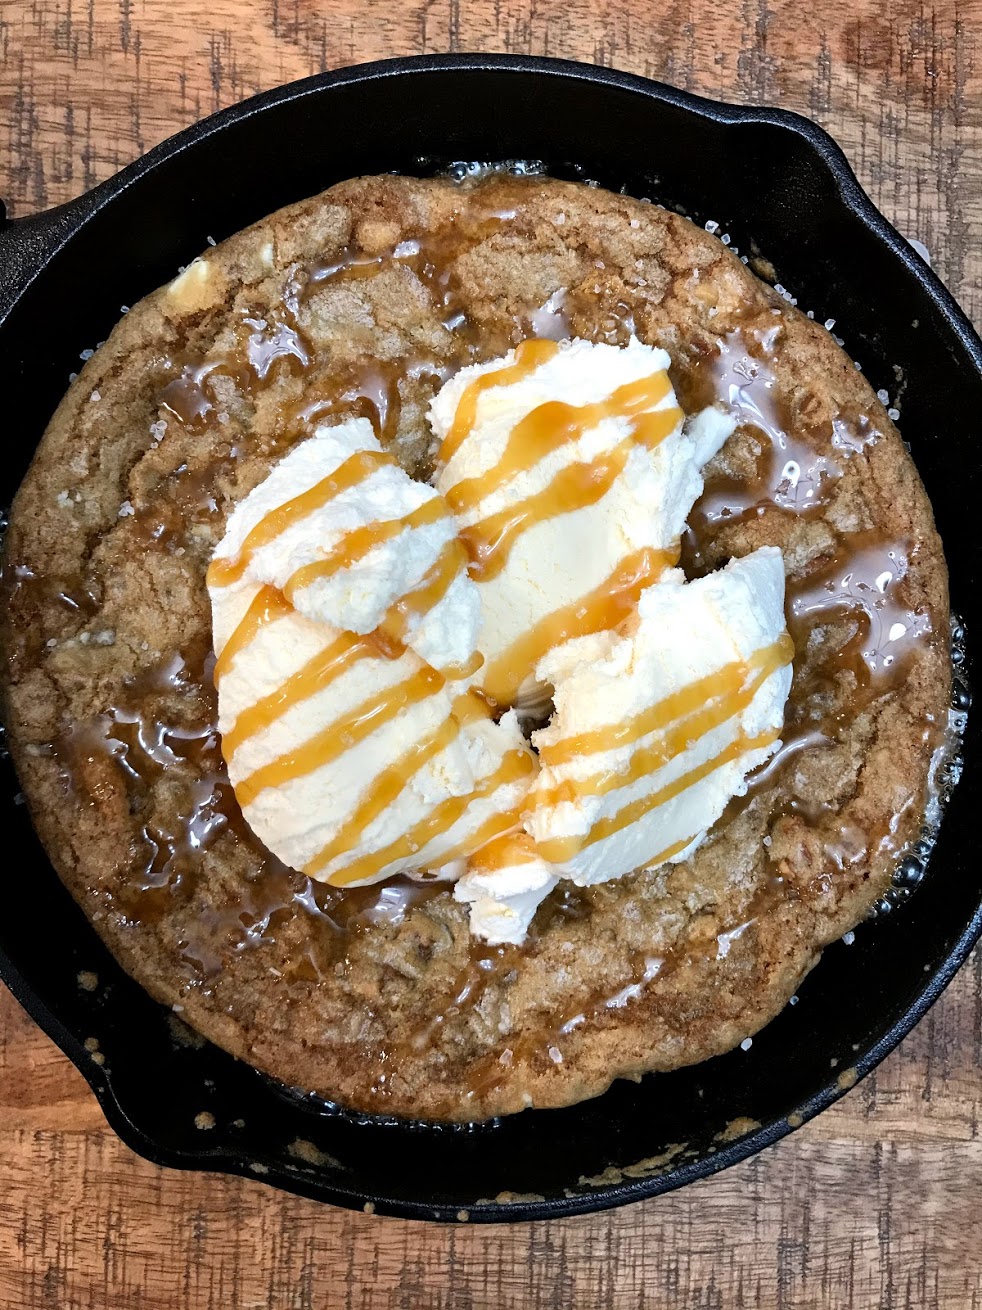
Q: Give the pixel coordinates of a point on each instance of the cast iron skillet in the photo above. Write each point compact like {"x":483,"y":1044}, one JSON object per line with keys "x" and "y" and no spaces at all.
{"x":777,"y":184}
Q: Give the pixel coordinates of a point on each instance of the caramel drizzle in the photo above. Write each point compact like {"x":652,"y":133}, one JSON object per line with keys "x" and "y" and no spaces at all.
{"x":600,"y":610}
{"x":561,"y":849}
{"x":515,"y":765}
{"x":490,"y":541}
{"x":355,"y":469}
{"x":357,"y":265}
{"x":676,"y":848}
{"x":678,"y":739}
{"x":313,"y":677}
{"x":529,"y":355}
{"x":355,"y":545}
{"x":500,"y":824}
{"x":392,"y":781}
{"x":270,"y":341}
{"x":504,"y":852}
{"x":454,"y":672}
{"x":391,"y":634}
{"x":340,"y":736}
{"x":555,"y":424}
{"x":684,"y":718}
{"x":388,"y":639}
{"x":266,"y":606}
{"x":864,"y":583}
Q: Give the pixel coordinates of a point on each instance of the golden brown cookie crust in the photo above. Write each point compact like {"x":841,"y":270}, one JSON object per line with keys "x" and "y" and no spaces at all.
{"x":113,"y":528}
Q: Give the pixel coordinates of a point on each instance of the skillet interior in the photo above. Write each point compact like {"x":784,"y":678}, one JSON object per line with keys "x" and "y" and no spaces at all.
{"x":777,"y":185}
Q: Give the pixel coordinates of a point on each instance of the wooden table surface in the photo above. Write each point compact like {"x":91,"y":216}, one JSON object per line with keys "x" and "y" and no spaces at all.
{"x":875,"y":1203}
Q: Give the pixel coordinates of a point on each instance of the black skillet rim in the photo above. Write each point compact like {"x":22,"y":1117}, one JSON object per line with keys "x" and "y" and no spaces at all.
{"x":29,"y":243}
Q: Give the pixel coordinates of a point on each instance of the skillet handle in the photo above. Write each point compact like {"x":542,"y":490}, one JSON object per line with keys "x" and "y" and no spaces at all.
{"x":27,"y":244}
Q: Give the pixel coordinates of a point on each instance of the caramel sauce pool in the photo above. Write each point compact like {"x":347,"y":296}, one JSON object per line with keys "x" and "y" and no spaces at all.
{"x":796,"y":471}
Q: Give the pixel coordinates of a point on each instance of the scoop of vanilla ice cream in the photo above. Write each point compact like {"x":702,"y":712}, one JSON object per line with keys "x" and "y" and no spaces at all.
{"x":707,"y":669}
{"x":566,"y":556}
{"x":653,"y":733}
{"x":301,"y":817}
{"x":350,"y":763}
{"x":355,"y":598}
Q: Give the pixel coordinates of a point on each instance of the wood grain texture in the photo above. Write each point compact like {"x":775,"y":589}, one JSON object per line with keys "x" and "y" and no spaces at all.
{"x":876,"y":1203}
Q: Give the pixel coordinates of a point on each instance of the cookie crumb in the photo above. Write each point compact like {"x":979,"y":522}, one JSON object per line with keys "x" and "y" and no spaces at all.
{"x":737,"y":1128}
{"x":306,"y":1151}
{"x":204,"y":1120}
{"x":87,"y":980}
{"x":182,"y":1035}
